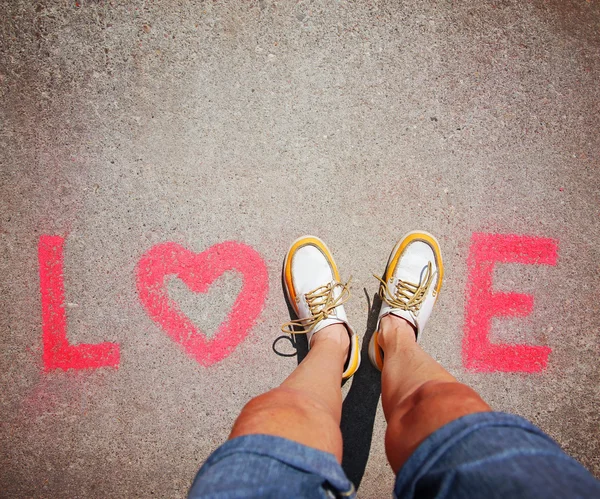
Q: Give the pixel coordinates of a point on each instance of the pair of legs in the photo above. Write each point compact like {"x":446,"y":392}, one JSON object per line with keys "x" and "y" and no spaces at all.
{"x":442,"y":440}
{"x":418,"y":395}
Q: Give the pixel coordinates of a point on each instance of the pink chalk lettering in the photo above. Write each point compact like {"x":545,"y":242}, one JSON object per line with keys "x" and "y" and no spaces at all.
{"x":58,"y":352}
{"x":482,"y":303}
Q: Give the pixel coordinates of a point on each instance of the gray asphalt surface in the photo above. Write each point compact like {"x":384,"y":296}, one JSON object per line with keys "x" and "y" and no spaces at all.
{"x":126,"y":125}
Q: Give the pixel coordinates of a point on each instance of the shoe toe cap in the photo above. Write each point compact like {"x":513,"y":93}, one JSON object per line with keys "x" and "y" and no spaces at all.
{"x":310,"y":269}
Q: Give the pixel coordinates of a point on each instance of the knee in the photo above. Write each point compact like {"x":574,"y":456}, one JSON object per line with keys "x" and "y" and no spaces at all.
{"x":431,"y":406}
{"x":293,"y":415}
{"x":269,"y":409}
{"x":442,"y":396}
{"x":283,"y":403}
{"x":437,"y":402}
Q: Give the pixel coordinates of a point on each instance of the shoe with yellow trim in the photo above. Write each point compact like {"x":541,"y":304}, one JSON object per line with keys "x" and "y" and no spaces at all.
{"x":313,"y":286}
{"x":410,"y":285}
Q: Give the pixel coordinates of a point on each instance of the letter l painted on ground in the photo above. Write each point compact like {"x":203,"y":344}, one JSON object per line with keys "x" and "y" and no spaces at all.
{"x":58,"y":352}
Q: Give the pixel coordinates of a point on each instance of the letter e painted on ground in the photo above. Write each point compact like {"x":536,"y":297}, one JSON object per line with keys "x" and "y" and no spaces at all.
{"x":482,"y":303}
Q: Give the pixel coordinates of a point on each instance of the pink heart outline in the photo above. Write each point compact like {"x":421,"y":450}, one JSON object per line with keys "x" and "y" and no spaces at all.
{"x":198,"y":271}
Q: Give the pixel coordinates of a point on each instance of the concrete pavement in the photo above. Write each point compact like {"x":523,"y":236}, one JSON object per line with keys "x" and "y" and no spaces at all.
{"x":142,"y":139}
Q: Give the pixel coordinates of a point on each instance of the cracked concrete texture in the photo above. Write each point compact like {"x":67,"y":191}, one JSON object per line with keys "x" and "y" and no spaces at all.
{"x":126,"y":125}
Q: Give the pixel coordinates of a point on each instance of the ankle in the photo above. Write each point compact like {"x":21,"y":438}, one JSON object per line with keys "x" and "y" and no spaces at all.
{"x":334,"y":334}
{"x":395,"y":332}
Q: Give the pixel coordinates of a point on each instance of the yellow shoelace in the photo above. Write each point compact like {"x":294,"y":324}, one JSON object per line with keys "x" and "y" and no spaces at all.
{"x":407,"y":296}
{"x":321,"y":303}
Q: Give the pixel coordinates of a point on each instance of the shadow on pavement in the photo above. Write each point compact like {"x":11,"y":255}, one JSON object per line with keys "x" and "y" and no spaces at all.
{"x":360,"y":405}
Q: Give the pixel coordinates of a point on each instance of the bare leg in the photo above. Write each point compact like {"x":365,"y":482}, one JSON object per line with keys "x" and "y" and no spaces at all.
{"x":307,"y":407}
{"x":418,"y":395}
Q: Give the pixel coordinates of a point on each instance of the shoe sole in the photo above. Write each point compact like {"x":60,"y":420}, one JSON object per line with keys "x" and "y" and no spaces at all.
{"x":375,"y":354}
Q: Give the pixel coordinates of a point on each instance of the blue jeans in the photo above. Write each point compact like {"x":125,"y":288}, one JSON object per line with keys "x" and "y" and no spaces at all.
{"x":488,"y":454}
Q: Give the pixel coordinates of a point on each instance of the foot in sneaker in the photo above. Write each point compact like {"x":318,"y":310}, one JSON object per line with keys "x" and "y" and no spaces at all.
{"x":410,"y":285}
{"x":313,"y":286}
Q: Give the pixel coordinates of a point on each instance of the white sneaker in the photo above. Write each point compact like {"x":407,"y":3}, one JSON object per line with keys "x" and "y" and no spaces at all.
{"x":313,"y":286}
{"x":410,"y":286}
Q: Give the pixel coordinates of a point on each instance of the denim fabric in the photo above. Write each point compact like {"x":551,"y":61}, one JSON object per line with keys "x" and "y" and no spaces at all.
{"x":492,"y":454}
{"x":267,"y":466}
{"x":481,"y":455}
